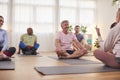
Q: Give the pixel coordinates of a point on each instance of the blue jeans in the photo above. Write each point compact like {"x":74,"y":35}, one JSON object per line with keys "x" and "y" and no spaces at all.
{"x":31,"y":50}
{"x":23,"y":46}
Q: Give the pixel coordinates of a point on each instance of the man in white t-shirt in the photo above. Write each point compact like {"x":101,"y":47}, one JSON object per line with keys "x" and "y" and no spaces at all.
{"x":64,"y":41}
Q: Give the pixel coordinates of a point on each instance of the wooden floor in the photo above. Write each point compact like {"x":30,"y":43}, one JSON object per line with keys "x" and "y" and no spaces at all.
{"x":24,"y":70}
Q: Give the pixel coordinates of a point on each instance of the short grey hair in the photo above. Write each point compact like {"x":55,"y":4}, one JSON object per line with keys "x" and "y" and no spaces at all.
{"x":64,"y":21}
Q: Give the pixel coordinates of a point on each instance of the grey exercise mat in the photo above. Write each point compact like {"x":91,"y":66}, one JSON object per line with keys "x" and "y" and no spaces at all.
{"x":81,"y":69}
{"x":7,"y":65}
{"x":75,"y":61}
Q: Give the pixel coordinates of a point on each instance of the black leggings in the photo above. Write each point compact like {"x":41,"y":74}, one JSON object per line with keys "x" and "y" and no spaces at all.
{"x":9,"y":52}
{"x":70,"y":51}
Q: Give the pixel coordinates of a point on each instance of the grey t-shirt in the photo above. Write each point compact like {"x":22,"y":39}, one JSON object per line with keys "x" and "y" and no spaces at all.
{"x":80,"y":37}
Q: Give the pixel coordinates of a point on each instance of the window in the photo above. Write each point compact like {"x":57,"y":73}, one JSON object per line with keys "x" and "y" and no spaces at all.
{"x":37,"y":14}
{"x":43,"y":16}
{"x":68,"y":3}
{"x":87,"y":12}
{"x":35,"y":2}
{"x":68,"y":14}
{"x":23,"y":14}
{"x":91,"y":4}
{"x":78,"y":11}
{"x":3,"y":1}
{"x":86,"y":17}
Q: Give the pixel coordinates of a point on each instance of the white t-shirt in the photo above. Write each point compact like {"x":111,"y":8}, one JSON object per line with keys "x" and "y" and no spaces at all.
{"x":66,"y":40}
{"x":112,"y":41}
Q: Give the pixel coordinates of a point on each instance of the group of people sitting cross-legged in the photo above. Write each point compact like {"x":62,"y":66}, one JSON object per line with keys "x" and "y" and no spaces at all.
{"x":66,"y":41}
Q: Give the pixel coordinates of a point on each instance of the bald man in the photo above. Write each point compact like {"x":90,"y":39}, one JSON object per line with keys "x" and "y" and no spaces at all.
{"x":28,"y":43}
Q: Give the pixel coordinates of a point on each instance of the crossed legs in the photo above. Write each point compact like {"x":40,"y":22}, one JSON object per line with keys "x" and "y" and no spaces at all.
{"x":107,"y":58}
{"x":25,"y":48}
{"x":66,"y":55}
{"x":7,"y":53}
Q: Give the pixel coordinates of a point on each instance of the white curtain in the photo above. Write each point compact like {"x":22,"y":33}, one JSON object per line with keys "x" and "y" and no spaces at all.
{"x":39,"y":15}
{"x":44,"y":16}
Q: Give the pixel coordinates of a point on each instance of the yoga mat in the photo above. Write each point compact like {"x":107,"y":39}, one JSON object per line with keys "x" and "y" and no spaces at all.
{"x":75,"y":61}
{"x":7,"y":65}
{"x":7,"y":59}
{"x":81,"y":69}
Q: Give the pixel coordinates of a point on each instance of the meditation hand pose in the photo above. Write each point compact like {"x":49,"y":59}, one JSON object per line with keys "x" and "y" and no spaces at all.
{"x":65,"y":40}
{"x":5,"y":52}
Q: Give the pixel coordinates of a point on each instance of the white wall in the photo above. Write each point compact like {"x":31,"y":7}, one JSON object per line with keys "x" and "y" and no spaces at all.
{"x":105,"y":15}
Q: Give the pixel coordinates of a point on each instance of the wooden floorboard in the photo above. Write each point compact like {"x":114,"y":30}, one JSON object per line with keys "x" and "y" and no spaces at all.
{"x":24,"y":70}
